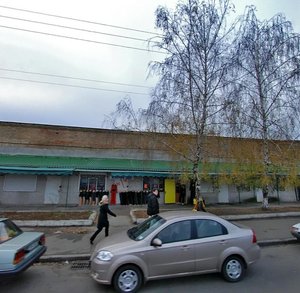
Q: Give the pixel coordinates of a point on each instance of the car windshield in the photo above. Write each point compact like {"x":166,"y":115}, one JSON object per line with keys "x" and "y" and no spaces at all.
{"x":144,"y":229}
{"x":8,"y":230}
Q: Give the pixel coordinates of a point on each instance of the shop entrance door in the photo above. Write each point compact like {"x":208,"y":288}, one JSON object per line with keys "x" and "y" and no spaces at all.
{"x":51,"y":195}
{"x":170,"y":191}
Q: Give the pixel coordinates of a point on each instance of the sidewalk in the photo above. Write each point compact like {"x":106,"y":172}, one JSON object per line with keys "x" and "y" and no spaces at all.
{"x":71,"y":242}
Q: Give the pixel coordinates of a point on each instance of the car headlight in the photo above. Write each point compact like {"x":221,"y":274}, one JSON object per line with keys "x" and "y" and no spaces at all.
{"x":104,"y":255}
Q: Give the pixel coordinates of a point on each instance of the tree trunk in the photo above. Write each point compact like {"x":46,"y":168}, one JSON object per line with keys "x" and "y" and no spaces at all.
{"x":265,"y":202}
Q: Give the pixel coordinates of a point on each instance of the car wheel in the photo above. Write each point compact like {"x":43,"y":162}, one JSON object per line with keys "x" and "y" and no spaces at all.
{"x":233,"y":269}
{"x":127,"y":279}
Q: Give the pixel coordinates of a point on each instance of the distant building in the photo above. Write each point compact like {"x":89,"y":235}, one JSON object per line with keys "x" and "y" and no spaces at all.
{"x":44,"y":164}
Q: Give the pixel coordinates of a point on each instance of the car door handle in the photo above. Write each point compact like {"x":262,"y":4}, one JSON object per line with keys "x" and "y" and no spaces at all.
{"x":223,"y":241}
{"x":185,"y":247}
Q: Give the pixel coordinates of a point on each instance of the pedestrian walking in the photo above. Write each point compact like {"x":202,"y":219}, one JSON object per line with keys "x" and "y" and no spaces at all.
{"x":102,"y":218}
{"x":152,"y":204}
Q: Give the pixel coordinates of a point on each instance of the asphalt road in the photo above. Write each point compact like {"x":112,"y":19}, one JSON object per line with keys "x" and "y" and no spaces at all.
{"x":276,"y":271}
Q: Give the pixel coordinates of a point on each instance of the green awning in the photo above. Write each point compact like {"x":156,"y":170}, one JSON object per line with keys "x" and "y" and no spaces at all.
{"x":51,"y":164}
{"x":54,"y":165}
{"x":142,"y":174}
{"x":35,"y":171}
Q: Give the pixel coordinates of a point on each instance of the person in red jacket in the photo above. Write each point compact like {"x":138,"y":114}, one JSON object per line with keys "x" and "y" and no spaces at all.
{"x":102,"y":218}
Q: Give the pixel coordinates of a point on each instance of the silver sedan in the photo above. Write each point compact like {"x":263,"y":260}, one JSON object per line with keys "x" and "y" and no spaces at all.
{"x":174,"y":244}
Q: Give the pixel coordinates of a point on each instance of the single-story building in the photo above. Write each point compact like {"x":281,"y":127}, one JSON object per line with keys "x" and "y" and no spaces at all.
{"x":46,"y":164}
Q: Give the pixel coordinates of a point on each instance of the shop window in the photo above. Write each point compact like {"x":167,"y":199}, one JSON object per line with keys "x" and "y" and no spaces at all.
{"x":92,"y":182}
{"x":151,"y":182}
{"x":26,"y":183}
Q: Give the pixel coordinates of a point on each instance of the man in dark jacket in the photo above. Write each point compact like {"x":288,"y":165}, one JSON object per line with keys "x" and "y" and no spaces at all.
{"x":102,"y":218}
{"x":153,"y":205}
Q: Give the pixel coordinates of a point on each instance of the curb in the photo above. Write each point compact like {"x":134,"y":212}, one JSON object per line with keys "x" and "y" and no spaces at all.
{"x":63,"y":258}
{"x":233,"y":217}
{"x":86,"y":257}
{"x":274,"y":242}
{"x":50,"y":223}
{"x":59,"y":223}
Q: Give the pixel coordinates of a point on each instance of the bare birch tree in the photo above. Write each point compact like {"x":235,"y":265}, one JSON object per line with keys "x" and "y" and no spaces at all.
{"x":191,"y":93}
{"x":267,"y":94}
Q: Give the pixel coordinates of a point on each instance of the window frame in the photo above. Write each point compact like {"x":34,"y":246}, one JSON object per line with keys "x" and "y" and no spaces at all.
{"x":20,"y":183}
{"x":207,"y":235}
{"x":174,"y":233}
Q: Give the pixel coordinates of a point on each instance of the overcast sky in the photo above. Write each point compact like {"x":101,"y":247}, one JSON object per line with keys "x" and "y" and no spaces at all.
{"x":104,"y":68}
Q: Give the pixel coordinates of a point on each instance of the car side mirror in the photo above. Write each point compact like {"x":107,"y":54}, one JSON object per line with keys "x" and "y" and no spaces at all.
{"x":156,"y":242}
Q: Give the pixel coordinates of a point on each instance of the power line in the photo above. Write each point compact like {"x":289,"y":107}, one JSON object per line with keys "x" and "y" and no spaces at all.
{"x":80,"y":39}
{"x":80,"y":20}
{"x":74,"y":86}
{"x":74,"y":78}
{"x":75,"y":38}
{"x":74,"y":28}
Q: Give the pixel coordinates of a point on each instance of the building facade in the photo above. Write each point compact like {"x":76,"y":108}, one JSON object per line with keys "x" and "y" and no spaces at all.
{"x":44,"y":164}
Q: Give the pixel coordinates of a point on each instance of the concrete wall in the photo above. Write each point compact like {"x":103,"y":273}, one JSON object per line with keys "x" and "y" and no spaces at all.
{"x":287,"y":195}
{"x":24,"y":197}
{"x":59,"y":190}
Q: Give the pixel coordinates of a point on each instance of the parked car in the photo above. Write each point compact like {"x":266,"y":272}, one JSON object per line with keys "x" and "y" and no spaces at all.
{"x":295,"y":231}
{"x":173,"y":244}
{"x":18,"y":249}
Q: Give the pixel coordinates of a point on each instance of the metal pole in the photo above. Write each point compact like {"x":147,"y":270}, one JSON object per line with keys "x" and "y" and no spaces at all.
{"x":68,"y":190}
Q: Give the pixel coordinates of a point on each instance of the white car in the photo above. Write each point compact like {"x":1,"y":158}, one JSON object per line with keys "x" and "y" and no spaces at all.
{"x":295,"y":231}
{"x":18,"y":249}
